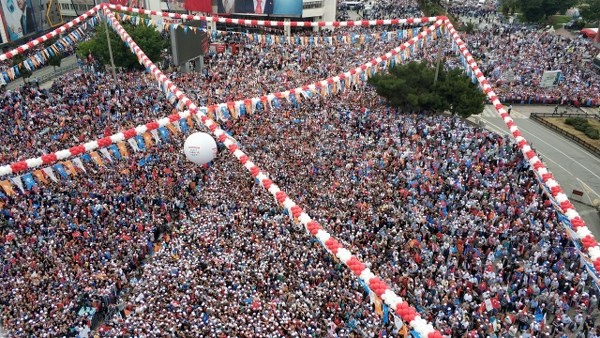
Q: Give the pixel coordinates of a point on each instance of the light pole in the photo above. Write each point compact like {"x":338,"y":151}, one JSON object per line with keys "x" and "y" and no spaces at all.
{"x":439,"y":59}
{"x":110,"y":53}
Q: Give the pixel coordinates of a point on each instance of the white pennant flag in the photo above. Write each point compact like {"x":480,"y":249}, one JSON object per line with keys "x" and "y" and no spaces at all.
{"x":77,"y":162}
{"x":133,"y":144}
{"x":106,"y":154}
{"x":154,"y":133}
{"x":177,"y":126}
{"x":197,"y":118}
{"x":398,"y":322}
{"x":48,"y":171}
{"x":17,"y":181}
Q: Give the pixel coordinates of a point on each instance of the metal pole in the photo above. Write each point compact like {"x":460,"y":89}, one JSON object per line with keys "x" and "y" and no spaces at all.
{"x":439,"y":59}
{"x":110,"y":53}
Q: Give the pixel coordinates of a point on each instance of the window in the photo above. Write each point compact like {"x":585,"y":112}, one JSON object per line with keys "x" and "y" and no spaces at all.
{"x":312,"y":4}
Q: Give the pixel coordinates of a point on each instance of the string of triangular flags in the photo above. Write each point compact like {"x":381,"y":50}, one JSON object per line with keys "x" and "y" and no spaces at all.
{"x":233,"y":110}
{"x":272,"y":39}
{"x":421,"y":326}
{"x":114,"y":152}
{"x":39,"y":59}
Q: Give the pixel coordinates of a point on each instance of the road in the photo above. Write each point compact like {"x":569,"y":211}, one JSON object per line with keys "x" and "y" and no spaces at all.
{"x":565,"y":159}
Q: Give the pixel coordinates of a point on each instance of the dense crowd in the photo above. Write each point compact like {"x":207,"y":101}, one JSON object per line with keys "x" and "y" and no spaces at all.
{"x":150,"y":245}
{"x":516,"y":68}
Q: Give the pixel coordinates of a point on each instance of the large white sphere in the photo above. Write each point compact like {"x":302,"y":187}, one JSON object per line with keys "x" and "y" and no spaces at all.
{"x":200,"y":148}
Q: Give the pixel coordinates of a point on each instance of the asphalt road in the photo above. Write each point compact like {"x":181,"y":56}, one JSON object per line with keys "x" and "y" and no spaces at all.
{"x":567,"y":161}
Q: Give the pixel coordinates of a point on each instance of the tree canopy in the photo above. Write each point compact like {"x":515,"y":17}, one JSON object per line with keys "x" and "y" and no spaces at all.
{"x":410,"y":87}
{"x":536,"y":10}
{"x":147,"y":37}
{"x":590,"y":10}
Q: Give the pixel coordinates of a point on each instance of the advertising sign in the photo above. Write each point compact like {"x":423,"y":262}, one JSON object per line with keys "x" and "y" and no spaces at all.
{"x":25,"y":17}
{"x":260,"y":7}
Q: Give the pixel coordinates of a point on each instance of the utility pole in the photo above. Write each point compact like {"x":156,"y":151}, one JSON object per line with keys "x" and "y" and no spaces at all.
{"x":440,"y":55}
{"x":110,"y":53}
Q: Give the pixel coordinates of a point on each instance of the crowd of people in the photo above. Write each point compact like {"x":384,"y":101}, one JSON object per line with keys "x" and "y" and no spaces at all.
{"x":516,"y":68}
{"x":449,"y":215}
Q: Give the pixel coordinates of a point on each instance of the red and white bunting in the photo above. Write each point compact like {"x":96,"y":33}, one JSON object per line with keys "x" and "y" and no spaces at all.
{"x":271,"y":23}
{"x":378,"y":286}
{"x":50,"y":35}
{"x":583,"y":232}
{"x":64,"y":154}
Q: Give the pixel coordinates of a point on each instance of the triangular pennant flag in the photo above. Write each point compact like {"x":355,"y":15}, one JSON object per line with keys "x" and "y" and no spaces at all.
{"x":173,"y":128}
{"x":17,"y":181}
{"x":133,"y":144}
{"x":70,"y":168}
{"x":7,"y":187}
{"x":29,"y":181}
{"x":79,"y":164}
{"x":106,"y":154}
{"x":147,"y":139}
{"x":115,"y":151}
{"x":123,"y":149}
{"x":154,"y":133}
{"x":61,"y":170}
{"x":48,"y":171}
{"x":40,"y":176}
{"x":96,"y":158}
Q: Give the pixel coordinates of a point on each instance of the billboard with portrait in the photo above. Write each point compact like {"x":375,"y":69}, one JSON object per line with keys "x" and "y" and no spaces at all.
{"x":26,"y":17}
{"x":261,"y":7}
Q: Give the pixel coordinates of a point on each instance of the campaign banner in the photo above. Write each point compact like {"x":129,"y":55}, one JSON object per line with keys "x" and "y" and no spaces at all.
{"x":260,"y":7}
{"x":26,"y":17}
{"x":204,"y":6}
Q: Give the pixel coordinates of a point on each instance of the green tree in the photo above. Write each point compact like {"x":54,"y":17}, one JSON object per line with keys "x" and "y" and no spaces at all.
{"x":532,"y":10}
{"x":409,"y":87}
{"x":459,"y":93}
{"x":590,"y":11}
{"x":55,"y":61}
{"x":147,"y":38}
{"x":536,"y":10}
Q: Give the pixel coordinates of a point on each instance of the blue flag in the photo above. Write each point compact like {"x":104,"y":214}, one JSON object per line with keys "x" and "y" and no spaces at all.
{"x":386,"y":314}
{"x":184,"y":126}
{"x":61,"y":170}
{"x":164,"y":134}
{"x":113,"y":149}
{"x":28,"y":180}
{"x":140,"y":141}
{"x":539,"y":316}
{"x":86,"y":157}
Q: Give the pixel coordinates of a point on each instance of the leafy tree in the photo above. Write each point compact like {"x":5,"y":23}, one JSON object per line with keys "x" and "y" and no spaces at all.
{"x":532,"y":10}
{"x":460,"y":94}
{"x":410,"y":87}
{"x":55,"y":61}
{"x":536,"y":10}
{"x":590,"y":10}
{"x":147,"y":38}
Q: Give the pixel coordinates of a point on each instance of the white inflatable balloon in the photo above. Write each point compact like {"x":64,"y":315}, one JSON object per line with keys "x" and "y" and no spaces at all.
{"x":200,"y":148}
